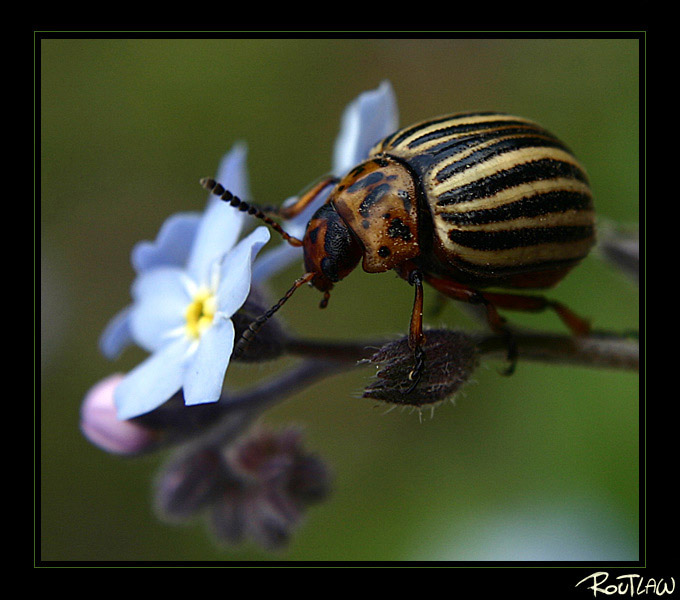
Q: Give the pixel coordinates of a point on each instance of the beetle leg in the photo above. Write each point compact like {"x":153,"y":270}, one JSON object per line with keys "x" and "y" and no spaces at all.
{"x":461,"y":292}
{"x":416,"y":336}
{"x":576,"y":324}
{"x":288,"y":212}
{"x":498,"y":324}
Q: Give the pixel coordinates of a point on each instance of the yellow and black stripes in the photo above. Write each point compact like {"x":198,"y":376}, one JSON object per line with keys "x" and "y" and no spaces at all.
{"x":506,"y":196}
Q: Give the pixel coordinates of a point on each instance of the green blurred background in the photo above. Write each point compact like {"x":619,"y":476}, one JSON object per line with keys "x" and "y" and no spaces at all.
{"x":540,"y":465}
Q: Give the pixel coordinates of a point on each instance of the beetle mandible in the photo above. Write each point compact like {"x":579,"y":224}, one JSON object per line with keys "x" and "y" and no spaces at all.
{"x":462,"y":202}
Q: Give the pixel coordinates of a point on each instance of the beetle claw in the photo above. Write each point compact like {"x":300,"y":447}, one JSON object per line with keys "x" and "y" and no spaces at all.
{"x":417,"y":371}
{"x":512,"y":353}
{"x":325,"y":299}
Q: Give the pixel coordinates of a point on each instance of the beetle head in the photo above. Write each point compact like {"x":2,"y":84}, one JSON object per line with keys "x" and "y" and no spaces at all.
{"x":331,"y":251}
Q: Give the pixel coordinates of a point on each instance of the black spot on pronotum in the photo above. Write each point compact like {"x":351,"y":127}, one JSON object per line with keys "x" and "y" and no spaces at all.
{"x":365,"y":182}
{"x":373,"y":197}
{"x":398,"y":229}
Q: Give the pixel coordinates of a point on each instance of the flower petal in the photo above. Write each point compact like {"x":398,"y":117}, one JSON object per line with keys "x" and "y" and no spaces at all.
{"x":153,"y":381}
{"x":161,"y":299}
{"x":236,"y":272}
{"x":116,"y":335}
{"x":204,"y":374}
{"x":372,"y":116}
{"x":172,"y":245}
{"x":232,"y":172}
{"x":221,"y":224}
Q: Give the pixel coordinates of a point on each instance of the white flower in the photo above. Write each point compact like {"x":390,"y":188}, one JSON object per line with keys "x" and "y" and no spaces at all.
{"x":195,"y":276}
{"x":189,"y":285}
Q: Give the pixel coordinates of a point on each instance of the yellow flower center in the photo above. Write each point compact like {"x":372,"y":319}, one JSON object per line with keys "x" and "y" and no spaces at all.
{"x":200,"y":313}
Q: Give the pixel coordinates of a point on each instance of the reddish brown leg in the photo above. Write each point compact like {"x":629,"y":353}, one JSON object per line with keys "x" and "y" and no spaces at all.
{"x":461,"y":292}
{"x":457,"y":291}
{"x":416,"y":336}
{"x":576,"y":324}
{"x":288,"y":212}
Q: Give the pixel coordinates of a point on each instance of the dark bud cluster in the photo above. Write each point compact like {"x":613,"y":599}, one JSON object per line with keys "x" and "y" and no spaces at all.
{"x":450,"y":359}
{"x":256,"y":489}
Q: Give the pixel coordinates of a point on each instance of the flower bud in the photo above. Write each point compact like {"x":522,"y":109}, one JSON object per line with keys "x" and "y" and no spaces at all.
{"x":227,"y":518}
{"x":187,"y":483}
{"x":265,"y":454}
{"x":450,"y":359}
{"x":101,"y":426}
{"x":279,"y":480}
{"x":278,"y":459}
{"x":255,"y":489}
{"x":269,"y":522}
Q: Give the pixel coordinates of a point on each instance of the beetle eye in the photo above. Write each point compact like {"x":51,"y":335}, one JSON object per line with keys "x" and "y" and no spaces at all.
{"x":330,"y":248}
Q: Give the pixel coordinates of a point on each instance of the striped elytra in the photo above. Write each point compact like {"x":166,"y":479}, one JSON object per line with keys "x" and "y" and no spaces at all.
{"x":509,"y":203}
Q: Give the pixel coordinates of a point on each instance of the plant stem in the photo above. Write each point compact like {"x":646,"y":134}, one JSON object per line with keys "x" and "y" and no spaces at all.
{"x":605,"y":351}
{"x":602,"y":350}
{"x":213,"y":424}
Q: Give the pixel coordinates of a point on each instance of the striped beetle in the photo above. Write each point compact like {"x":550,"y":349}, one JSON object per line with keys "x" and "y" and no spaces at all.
{"x":462,"y":202}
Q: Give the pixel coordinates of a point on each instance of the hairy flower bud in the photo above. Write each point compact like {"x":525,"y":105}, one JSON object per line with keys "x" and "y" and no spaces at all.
{"x":279,"y":479}
{"x":257,"y":488}
{"x":450,"y":359}
{"x":186,"y":484}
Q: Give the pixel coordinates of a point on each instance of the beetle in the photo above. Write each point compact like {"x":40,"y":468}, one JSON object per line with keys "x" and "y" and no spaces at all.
{"x":462,"y":202}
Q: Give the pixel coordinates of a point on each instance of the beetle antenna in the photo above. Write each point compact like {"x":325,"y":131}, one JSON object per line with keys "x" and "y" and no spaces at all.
{"x":218,"y":190}
{"x":254,"y":327}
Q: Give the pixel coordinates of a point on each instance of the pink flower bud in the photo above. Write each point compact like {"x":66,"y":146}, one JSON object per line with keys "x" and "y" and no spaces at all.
{"x":101,"y":426}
